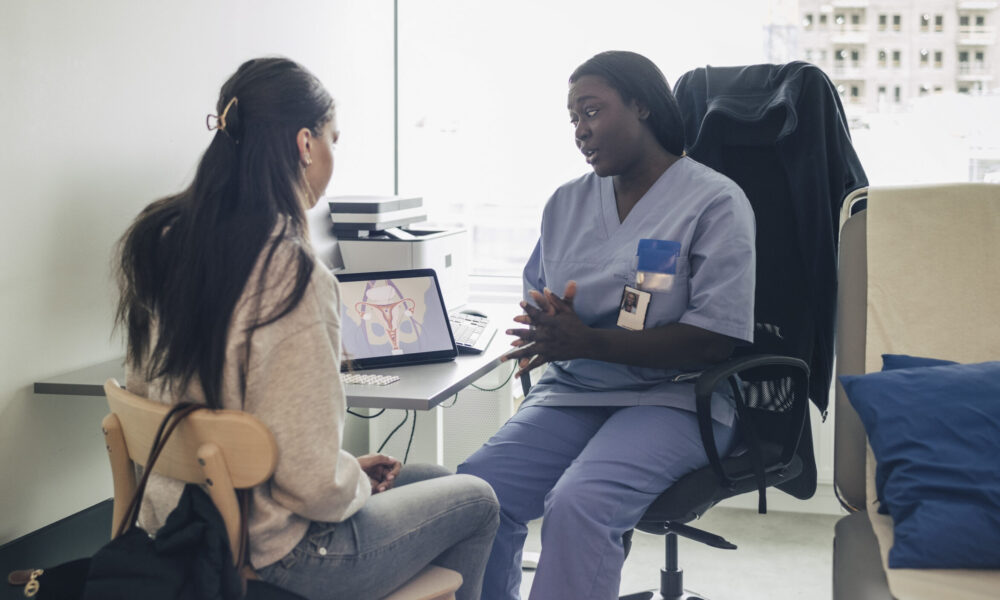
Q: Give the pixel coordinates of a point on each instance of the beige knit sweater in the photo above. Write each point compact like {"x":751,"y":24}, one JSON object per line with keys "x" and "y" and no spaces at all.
{"x":288,"y":377}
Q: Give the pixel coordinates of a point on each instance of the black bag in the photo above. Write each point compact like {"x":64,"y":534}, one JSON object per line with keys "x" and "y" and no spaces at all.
{"x":189,"y":559}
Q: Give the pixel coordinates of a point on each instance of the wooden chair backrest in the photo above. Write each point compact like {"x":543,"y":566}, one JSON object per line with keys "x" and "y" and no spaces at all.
{"x":225,"y":450}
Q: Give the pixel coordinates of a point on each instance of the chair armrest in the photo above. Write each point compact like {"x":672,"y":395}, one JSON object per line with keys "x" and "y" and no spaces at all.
{"x":777,"y":367}
{"x":526,"y":383}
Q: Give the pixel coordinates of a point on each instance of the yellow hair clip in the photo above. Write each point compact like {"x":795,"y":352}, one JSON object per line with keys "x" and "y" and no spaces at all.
{"x":220,"y":120}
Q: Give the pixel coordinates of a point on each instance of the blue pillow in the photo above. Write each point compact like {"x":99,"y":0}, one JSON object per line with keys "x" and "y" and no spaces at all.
{"x":935,"y":432}
{"x":891,"y":362}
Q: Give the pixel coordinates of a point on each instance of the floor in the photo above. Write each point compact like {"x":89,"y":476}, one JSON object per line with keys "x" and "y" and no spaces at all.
{"x":794,"y":549}
{"x":780,"y":556}
{"x":74,"y":537}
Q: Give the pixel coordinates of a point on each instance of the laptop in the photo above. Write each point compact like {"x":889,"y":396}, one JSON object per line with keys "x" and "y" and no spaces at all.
{"x":393,"y":318}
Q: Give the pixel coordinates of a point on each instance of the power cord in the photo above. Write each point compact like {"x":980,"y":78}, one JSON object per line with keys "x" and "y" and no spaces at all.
{"x":454,"y":399}
{"x":413,"y":427}
{"x":361,"y":416}
{"x":509,"y":375}
{"x":406,"y":415}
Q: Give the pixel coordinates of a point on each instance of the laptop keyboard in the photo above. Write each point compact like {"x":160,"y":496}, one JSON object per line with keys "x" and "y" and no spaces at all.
{"x":472,"y":333}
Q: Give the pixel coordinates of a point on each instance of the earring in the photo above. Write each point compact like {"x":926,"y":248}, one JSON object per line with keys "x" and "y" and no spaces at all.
{"x":308,"y":160}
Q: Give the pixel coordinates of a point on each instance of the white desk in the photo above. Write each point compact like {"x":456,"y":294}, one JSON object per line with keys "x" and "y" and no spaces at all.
{"x":420,"y":387}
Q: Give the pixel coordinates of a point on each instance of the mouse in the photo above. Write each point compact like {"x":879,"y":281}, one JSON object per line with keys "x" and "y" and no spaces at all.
{"x":474,"y":313}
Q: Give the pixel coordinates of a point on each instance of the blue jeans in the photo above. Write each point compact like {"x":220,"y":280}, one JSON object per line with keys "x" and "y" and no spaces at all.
{"x":592,"y":472}
{"x":429,"y":517}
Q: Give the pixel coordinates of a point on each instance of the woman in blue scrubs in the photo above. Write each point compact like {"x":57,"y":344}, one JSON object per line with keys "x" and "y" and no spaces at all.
{"x":653,"y":254}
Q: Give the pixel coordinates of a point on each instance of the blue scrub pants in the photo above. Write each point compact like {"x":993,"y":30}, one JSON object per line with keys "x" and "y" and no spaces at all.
{"x":591,"y":472}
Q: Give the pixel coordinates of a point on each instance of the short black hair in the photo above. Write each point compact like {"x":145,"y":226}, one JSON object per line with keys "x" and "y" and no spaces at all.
{"x":635,"y":77}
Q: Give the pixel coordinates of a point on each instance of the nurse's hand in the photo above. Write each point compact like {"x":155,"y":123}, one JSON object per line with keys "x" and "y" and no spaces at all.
{"x":555,"y":333}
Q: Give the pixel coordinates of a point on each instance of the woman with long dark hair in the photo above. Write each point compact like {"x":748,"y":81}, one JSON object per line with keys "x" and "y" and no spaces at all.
{"x":224,"y":303}
{"x":654,"y":256}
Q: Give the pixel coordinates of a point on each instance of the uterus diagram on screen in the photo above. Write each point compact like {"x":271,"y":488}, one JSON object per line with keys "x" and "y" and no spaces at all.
{"x":389,"y":313}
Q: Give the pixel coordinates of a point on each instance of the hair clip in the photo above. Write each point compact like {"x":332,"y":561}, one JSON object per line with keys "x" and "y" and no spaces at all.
{"x":220,"y":120}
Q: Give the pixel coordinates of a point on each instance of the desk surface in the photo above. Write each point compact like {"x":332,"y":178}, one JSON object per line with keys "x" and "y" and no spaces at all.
{"x":420,"y":387}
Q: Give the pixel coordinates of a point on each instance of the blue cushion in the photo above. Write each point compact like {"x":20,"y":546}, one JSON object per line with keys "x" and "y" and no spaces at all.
{"x":891,"y":362}
{"x":903,"y":361}
{"x":935,"y":432}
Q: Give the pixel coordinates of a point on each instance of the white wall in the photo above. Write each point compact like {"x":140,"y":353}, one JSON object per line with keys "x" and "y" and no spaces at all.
{"x":102,"y":110}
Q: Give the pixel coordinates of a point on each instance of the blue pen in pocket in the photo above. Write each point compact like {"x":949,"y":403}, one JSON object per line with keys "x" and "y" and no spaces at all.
{"x":657,"y":265}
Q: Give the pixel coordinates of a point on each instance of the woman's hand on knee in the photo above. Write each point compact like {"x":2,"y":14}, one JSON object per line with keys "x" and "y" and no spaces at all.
{"x":381,"y":470}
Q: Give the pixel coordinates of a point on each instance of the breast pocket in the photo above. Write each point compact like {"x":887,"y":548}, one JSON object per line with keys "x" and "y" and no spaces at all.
{"x":669,"y":294}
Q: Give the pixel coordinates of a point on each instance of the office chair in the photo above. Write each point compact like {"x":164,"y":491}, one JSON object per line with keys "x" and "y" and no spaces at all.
{"x":779,"y":132}
{"x":228,"y":450}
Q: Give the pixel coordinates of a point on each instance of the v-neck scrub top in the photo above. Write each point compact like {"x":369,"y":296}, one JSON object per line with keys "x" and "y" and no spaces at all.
{"x":582,"y":239}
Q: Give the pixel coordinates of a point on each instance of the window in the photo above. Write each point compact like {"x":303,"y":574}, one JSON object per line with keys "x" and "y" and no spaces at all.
{"x":963,"y":21}
{"x":924,"y":90}
{"x":938,"y":23}
{"x":925,"y":22}
{"x":484,"y":135}
{"x":980,"y":21}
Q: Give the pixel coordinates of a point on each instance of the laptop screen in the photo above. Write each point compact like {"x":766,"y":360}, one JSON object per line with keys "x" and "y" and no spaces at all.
{"x":391,"y":318}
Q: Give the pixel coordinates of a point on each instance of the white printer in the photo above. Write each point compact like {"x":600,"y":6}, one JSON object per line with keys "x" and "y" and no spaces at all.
{"x":354,"y":234}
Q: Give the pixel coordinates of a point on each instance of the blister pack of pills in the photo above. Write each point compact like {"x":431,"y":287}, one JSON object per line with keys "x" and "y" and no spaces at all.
{"x":369,"y":379}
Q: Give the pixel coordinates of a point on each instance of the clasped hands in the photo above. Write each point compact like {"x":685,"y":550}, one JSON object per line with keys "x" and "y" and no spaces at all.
{"x":381,"y":470}
{"x":555,"y":331}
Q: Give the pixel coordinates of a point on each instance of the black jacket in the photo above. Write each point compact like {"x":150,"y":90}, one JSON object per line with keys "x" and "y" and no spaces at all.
{"x":780,"y":132}
{"x":820,"y":166}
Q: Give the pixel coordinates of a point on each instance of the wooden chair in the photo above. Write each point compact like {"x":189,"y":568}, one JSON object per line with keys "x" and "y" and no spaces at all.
{"x":226,"y":450}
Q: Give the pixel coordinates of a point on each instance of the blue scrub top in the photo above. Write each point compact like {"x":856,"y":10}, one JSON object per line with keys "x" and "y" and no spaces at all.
{"x":713,"y":288}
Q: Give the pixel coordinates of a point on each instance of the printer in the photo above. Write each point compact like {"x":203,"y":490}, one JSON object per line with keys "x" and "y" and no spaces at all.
{"x":353,"y":234}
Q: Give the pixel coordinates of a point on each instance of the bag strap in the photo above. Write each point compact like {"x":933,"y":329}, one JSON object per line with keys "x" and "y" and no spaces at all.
{"x":243,"y":556}
{"x":171,"y":420}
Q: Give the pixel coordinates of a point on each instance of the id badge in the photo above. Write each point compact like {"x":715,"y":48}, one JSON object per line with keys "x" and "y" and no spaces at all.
{"x":633,"y":307}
